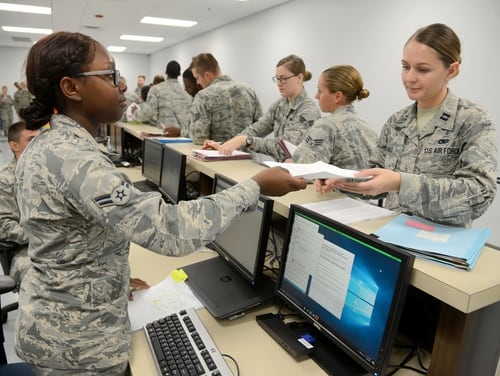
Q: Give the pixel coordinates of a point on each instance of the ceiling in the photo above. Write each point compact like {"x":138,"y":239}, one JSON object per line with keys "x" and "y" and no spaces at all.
{"x":117,"y":17}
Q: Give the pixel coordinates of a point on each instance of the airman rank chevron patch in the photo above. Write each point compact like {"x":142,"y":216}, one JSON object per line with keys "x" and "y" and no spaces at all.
{"x":119,"y":196}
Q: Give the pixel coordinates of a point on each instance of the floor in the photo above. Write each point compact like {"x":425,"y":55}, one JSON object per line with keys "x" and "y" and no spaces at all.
{"x":5,"y":156}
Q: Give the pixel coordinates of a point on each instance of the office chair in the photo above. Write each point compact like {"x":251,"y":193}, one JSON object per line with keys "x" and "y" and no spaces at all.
{"x":8,"y":284}
{"x":7,"y":250}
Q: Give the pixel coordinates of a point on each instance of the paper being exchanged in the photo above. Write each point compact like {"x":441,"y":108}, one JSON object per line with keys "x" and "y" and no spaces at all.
{"x":319,"y":170}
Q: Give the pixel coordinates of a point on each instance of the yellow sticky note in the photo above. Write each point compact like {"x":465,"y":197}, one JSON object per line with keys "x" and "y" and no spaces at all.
{"x":178,"y":275}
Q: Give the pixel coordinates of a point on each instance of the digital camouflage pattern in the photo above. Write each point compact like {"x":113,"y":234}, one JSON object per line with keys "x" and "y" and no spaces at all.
{"x":22,"y":99}
{"x":167,"y":105}
{"x":448,"y":174}
{"x":222,"y":110}
{"x":342,"y":139}
{"x":81,"y":213}
{"x":284,"y":120}
{"x":10,"y":228}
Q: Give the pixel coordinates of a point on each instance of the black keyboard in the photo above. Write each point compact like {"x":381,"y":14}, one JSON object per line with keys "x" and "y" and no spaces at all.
{"x":181,"y":346}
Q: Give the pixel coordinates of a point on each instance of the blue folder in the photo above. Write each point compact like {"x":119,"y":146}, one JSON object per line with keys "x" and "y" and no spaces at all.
{"x":456,"y":246}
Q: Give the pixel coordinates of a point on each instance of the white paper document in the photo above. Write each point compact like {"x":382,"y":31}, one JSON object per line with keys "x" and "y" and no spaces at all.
{"x":317,"y":170}
{"x":348,"y":210}
{"x":159,"y":301}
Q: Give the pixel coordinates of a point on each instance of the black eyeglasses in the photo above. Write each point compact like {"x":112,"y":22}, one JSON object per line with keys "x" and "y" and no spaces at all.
{"x":282,"y":80}
{"x":114,"y":73}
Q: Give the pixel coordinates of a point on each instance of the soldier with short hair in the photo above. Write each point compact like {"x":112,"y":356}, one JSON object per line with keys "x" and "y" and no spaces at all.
{"x":224,"y":107}
{"x":167,"y":104}
{"x":18,"y":138}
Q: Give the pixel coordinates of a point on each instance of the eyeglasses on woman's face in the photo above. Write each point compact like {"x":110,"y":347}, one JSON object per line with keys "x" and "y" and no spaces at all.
{"x":282,"y":79}
{"x":113,"y":73}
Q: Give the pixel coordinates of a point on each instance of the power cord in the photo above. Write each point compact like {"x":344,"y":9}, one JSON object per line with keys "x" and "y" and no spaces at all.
{"x":234,"y":362}
{"x":415,"y":350}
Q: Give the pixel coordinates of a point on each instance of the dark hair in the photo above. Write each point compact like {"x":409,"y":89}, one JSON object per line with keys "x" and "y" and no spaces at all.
{"x":442,"y":39}
{"x":157,"y":79}
{"x":173,"y":69}
{"x":347,"y":80}
{"x":58,"y":55}
{"x":144,"y":92}
{"x":296,"y":65}
{"x":205,"y":62}
{"x":188,"y":74}
{"x":14,"y":132}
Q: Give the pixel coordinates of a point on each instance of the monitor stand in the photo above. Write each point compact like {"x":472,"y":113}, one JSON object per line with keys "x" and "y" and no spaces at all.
{"x":324,"y":352}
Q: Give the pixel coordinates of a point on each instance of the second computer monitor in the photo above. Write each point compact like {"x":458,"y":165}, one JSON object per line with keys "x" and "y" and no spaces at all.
{"x":173,"y":175}
{"x":152,"y":154}
{"x":244,"y":243}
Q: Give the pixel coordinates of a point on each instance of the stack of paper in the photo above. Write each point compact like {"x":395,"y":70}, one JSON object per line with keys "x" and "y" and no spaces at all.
{"x":318,"y":170}
{"x":456,"y":246}
{"x":214,"y":155}
{"x":348,"y":210}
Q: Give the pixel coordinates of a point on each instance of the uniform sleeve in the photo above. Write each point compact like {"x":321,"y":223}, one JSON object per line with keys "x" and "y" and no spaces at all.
{"x":148,"y":111}
{"x":144,"y":218}
{"x":10,"y":228}
{"x":199,"y":126}
{"x":464,"y":196}
{"x":295,"y":129}
{"x":317,"y":145}
{"x":264,"y":125}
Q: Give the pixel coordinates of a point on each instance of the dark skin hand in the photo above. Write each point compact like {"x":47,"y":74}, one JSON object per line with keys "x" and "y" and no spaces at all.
{"x":277,"y":181}
{"x":172,"y":132}
{"x":137,"y":284}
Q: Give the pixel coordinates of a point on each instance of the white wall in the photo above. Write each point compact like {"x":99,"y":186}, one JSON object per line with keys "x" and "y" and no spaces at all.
{"x":367,"y":34}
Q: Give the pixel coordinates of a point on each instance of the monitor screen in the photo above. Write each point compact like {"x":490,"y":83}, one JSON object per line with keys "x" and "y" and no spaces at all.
{"x":173,"y":175}
{"x":244,"y":243}
{"x":152,"y":156}
{"x":349,"y":285}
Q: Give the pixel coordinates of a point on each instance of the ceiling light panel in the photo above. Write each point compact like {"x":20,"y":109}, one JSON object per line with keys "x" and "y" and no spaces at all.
{"x":29,"y":30}
{"x":168,"y":22}
{"x":141,"y":38}
{"x":25,"y":8}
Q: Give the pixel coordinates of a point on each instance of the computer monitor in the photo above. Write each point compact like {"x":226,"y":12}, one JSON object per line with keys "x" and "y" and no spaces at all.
{"x":348,"y":285}
{"x":173,"y":175}
{"x":244,"y":243}
{"x":152,"y":157}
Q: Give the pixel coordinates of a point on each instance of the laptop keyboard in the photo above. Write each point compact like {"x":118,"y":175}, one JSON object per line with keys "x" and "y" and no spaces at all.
{"x":182,"y":346}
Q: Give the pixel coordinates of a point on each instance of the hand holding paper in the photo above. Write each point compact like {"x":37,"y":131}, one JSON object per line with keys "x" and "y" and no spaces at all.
{"x":318,"y":170}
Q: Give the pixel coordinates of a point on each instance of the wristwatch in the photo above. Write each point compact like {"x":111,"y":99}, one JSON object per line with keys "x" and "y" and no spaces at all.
{"x":249,"y":141}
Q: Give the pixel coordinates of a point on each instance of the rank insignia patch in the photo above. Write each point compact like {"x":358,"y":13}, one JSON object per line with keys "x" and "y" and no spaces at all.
{"x":119,"y":196}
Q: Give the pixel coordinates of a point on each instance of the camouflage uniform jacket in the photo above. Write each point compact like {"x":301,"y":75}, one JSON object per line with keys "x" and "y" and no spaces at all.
{"x":167,"y":105}
{"x":222,"y":110}
{"x":289,"y":121}
{"x":10,"y":228}
{"x":448,"y":172}
{"x":342,"y":139}
{"x":80,"y":213}
{"x":22,"y":99}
